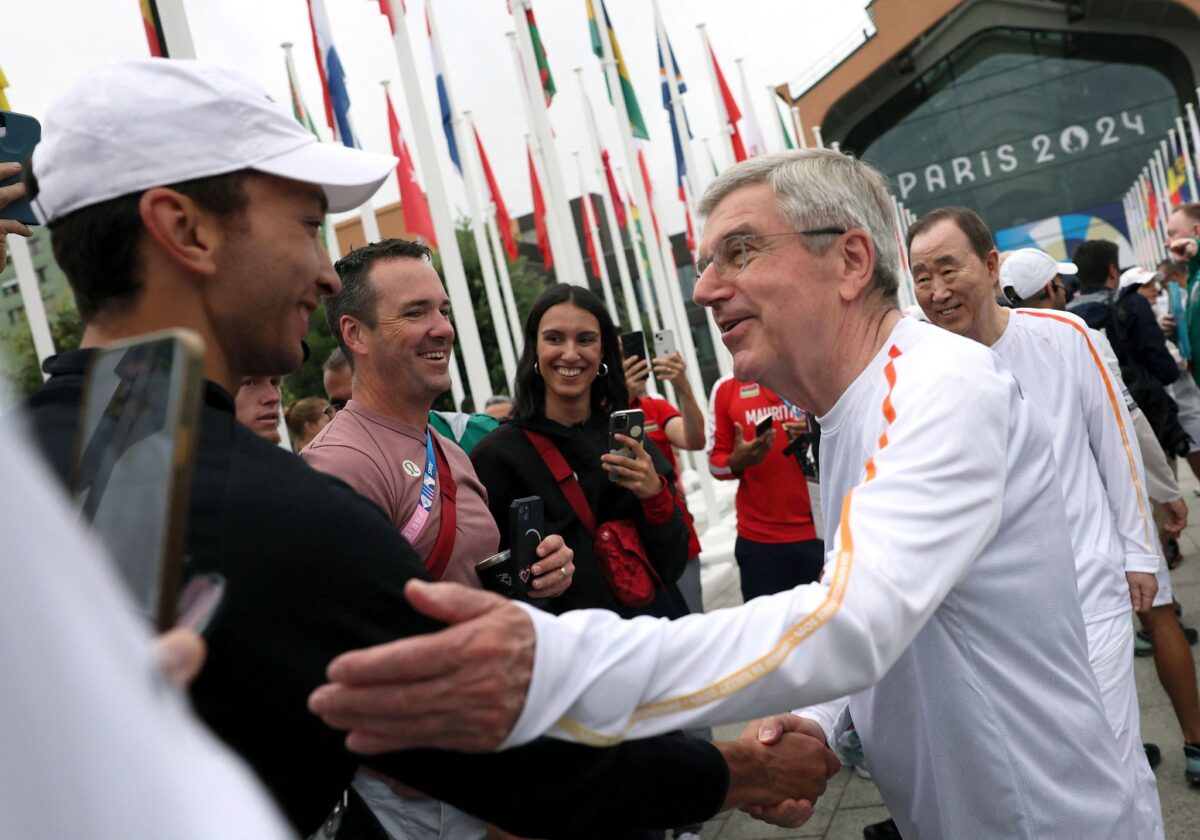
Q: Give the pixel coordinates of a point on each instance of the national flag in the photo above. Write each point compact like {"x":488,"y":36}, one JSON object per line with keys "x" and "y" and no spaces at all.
{"x":687,"y":217}
{"x":641,"y":236}
{"x":386,"y":7}
{"x":539,"y":56}
{"x":299,"y":111}
{"x":503,"y":221}
{"x":417,"y":218}
{"x":618,"y":205}
{"x":443,"y":94}
{"x":1177,"y":181}
{"x":680,"y":160}
{"x":1151,"y":206}
{"x":333,"y":79}
{"x":732,"y":112}
{"x":4,"y":106}
{"x":787,"y":138}
{"x":539,"y":214}
{"x":755,"y":144}
{"x":637,"y":125}
{"x":154,"y":33}
{"x":649,"y":190}
{"x":588,"y":211}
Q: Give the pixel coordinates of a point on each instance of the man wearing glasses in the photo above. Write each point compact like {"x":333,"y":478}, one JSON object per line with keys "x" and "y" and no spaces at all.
{"x":967,"y":671}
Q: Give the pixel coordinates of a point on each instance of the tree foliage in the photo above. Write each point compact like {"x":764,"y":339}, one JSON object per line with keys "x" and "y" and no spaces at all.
{"x":20,"y":357}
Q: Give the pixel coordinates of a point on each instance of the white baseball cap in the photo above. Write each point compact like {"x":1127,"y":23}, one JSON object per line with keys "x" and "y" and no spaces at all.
{"x":148,"y":123}
{"x":1028,"y":270}
{"x":1136,"y":276}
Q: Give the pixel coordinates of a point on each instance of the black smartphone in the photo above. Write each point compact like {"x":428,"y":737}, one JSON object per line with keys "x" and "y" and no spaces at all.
{"x":631,"y":423}
{"x":497,"y":574}
{"x":764,"y":425}
{"x":526,"y":530}
{"x":19,"y":133}
{"x":633,"y":345}
{"x":131,"y":475}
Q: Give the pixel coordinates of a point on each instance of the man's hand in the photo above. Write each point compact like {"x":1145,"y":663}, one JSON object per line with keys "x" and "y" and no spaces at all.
{"x":461,"y":688}
{"x":749,"y":453}
{"x":1142,"y":588}
{"x":8,"y":195}
{"x":554,"y":571}
{"x":1182,"y":250}
{"x":778,"y":768}
{"x":1177,"y":518}
{"x":180,"y":653}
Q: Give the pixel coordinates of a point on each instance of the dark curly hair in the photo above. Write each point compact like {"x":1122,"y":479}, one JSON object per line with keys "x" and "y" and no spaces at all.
{"x":608,"y":392}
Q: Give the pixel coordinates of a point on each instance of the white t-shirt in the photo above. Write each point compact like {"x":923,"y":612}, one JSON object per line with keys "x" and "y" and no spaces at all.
{"x":94,"y":743}
{"x":947,"y":608}
{"x":1099,"y":460}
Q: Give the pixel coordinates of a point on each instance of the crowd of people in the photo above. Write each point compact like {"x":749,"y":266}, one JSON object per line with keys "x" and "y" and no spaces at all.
{"x":946,"y":519}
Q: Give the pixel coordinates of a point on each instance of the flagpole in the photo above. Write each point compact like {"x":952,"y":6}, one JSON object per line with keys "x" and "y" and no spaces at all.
{"x":712,"y":160}
{"x":590,"y":229}
{"x":176,"y":31}
{"x":1194,"y":129}
{"x":1135,"y":235}
{"x":498,"y":254}
{"x":470,"y":184}
{"x":632,"y":310}
{"x":639,"y":244}
{"x":816,"y":130}
{"x":750,"y":115}
{"x":720,"y":352}
{"x":1160,"y":186}
{"x":726,"y":127}
{"x":478,"y":380}
{"x":798,"y":125}
{"x":1187,"y":158}
{"x":779,"y":119}
{"x":568,"y":256}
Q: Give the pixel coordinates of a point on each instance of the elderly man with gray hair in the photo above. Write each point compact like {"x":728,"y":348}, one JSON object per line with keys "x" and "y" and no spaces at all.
{"x":937,"y":481}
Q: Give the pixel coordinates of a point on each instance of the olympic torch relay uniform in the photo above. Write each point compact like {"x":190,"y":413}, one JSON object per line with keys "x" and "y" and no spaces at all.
{"x":942,"y":587}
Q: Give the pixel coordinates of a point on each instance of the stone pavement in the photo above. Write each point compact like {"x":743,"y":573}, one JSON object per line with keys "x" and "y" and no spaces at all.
{"x":850,"y":803}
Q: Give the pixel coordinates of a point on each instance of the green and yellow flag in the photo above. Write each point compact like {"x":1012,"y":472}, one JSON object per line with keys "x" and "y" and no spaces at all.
{"x":637,"y":125}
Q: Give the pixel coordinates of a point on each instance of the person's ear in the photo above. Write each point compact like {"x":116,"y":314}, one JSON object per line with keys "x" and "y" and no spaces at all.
{"x":857,"y":258}
{"x":183,"y":233}
{"x":353,"y":333}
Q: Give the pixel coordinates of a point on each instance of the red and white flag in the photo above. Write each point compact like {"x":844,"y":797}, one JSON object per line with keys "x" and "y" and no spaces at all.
{"x":730,"y":106}
{"x":539,"y":214}
{"x":414,"y":206}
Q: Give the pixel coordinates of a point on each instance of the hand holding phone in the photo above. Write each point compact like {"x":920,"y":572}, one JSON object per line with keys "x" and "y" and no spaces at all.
{"x":19,"y":133}
{"x":763,"y":426}
{"x":633,"y":345}
{"x":509,"y":572}
{"x":664,"y":343}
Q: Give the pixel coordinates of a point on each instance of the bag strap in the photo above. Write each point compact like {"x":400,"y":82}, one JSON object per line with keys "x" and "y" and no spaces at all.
{"x":439,"y":558}
{"x":568,"y":482}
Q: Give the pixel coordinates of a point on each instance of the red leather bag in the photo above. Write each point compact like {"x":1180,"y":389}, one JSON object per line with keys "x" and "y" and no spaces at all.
{"x":616,"y":544}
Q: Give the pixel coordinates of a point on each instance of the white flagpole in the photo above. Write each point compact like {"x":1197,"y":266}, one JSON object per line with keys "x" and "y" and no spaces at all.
{"x":638,"y":244}
{"x":568,"y":257}
{"x":773,"y":99}
{"x":1194,"y":129}
{"x":367,"y":211}
{"x":798,"y":125}
{"x":176,"y":32}
{"x":722,"y":114}
{"x":501,"y":258}
{"x":591,"y":228}
{"x":1187,"y":157}
{"x":723,"y":359}
{"x":1160,"y":184}
{"x":708,"y":151}
{"x":331,"y":243}
{"x":752,"y":128}
{"x":466,"y":144}
{"x":632,"y":311}
{"x":452,"y":265}
{"x":816,"y":130}
{"x":31,"y":297}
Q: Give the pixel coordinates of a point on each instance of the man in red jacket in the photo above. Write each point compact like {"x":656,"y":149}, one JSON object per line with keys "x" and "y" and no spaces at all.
{"x":777,"y":546}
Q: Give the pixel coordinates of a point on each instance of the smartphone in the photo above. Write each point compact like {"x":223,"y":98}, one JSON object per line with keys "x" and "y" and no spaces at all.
{"x":19,"y":133}
{"x":633,"y":345}
{"x":497,"y":575}
{"x":764,"y":425}
{"x":630,"y":423}
{"x":526,"y":529}
{"x":664,"y":343}
{"x":131,"y":475}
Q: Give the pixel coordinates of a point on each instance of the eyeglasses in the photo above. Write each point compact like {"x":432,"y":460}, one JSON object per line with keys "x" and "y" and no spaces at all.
{"x":731,"y":255}
{"x":334,"y":407}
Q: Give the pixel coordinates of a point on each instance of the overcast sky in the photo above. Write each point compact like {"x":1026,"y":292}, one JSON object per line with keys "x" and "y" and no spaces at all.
{"x":50,"y":44}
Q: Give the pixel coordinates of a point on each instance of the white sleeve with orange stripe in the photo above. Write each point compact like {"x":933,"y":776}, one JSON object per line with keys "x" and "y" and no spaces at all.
{"x":1113,"y":441}
{"x":929,"y":504}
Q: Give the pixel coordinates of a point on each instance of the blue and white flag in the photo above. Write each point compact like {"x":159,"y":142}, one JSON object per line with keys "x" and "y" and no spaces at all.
{"x":333,"y":80}
{"x":443,"y":93}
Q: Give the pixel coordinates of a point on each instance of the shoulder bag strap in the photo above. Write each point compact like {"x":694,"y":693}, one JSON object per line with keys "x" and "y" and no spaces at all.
{"x":439,"y":558}
{"x":568,"y":482}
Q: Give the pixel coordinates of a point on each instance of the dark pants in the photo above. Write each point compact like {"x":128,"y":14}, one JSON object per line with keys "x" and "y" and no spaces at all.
{"x":777,"y":567}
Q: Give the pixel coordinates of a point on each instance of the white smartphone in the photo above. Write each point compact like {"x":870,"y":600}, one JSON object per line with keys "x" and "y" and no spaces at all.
{"x":664,"y":343}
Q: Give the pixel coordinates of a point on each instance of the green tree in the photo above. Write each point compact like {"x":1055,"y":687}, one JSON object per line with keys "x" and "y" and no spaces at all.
{"x":20,"y":357}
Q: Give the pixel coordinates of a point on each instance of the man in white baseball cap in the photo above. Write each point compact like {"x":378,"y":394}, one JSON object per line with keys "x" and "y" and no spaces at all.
{"x":1029,"y":277}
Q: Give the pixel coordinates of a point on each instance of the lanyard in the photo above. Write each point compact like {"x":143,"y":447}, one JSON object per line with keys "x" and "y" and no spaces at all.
{"x":420,"y":516}
{"x":797,"y":413}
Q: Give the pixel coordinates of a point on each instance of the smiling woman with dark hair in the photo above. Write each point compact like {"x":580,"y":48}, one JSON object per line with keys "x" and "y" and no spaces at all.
{"x":569,"y":380}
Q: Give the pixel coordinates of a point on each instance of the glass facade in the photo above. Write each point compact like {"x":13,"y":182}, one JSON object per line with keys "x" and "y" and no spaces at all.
{"x":1023,"y":125}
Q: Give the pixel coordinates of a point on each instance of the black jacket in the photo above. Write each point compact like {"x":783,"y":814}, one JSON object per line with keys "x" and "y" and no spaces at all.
{"x":1131,"y":327}
{"x":510,"y":468}
{"x":312,"y":570}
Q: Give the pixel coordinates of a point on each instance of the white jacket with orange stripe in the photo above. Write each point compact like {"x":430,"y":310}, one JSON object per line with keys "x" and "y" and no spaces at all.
{"x":948,"y":610}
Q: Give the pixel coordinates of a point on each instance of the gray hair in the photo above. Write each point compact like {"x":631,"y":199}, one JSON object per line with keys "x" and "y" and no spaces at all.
{"x":497,"y":399}
{"x":820,"y":188}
